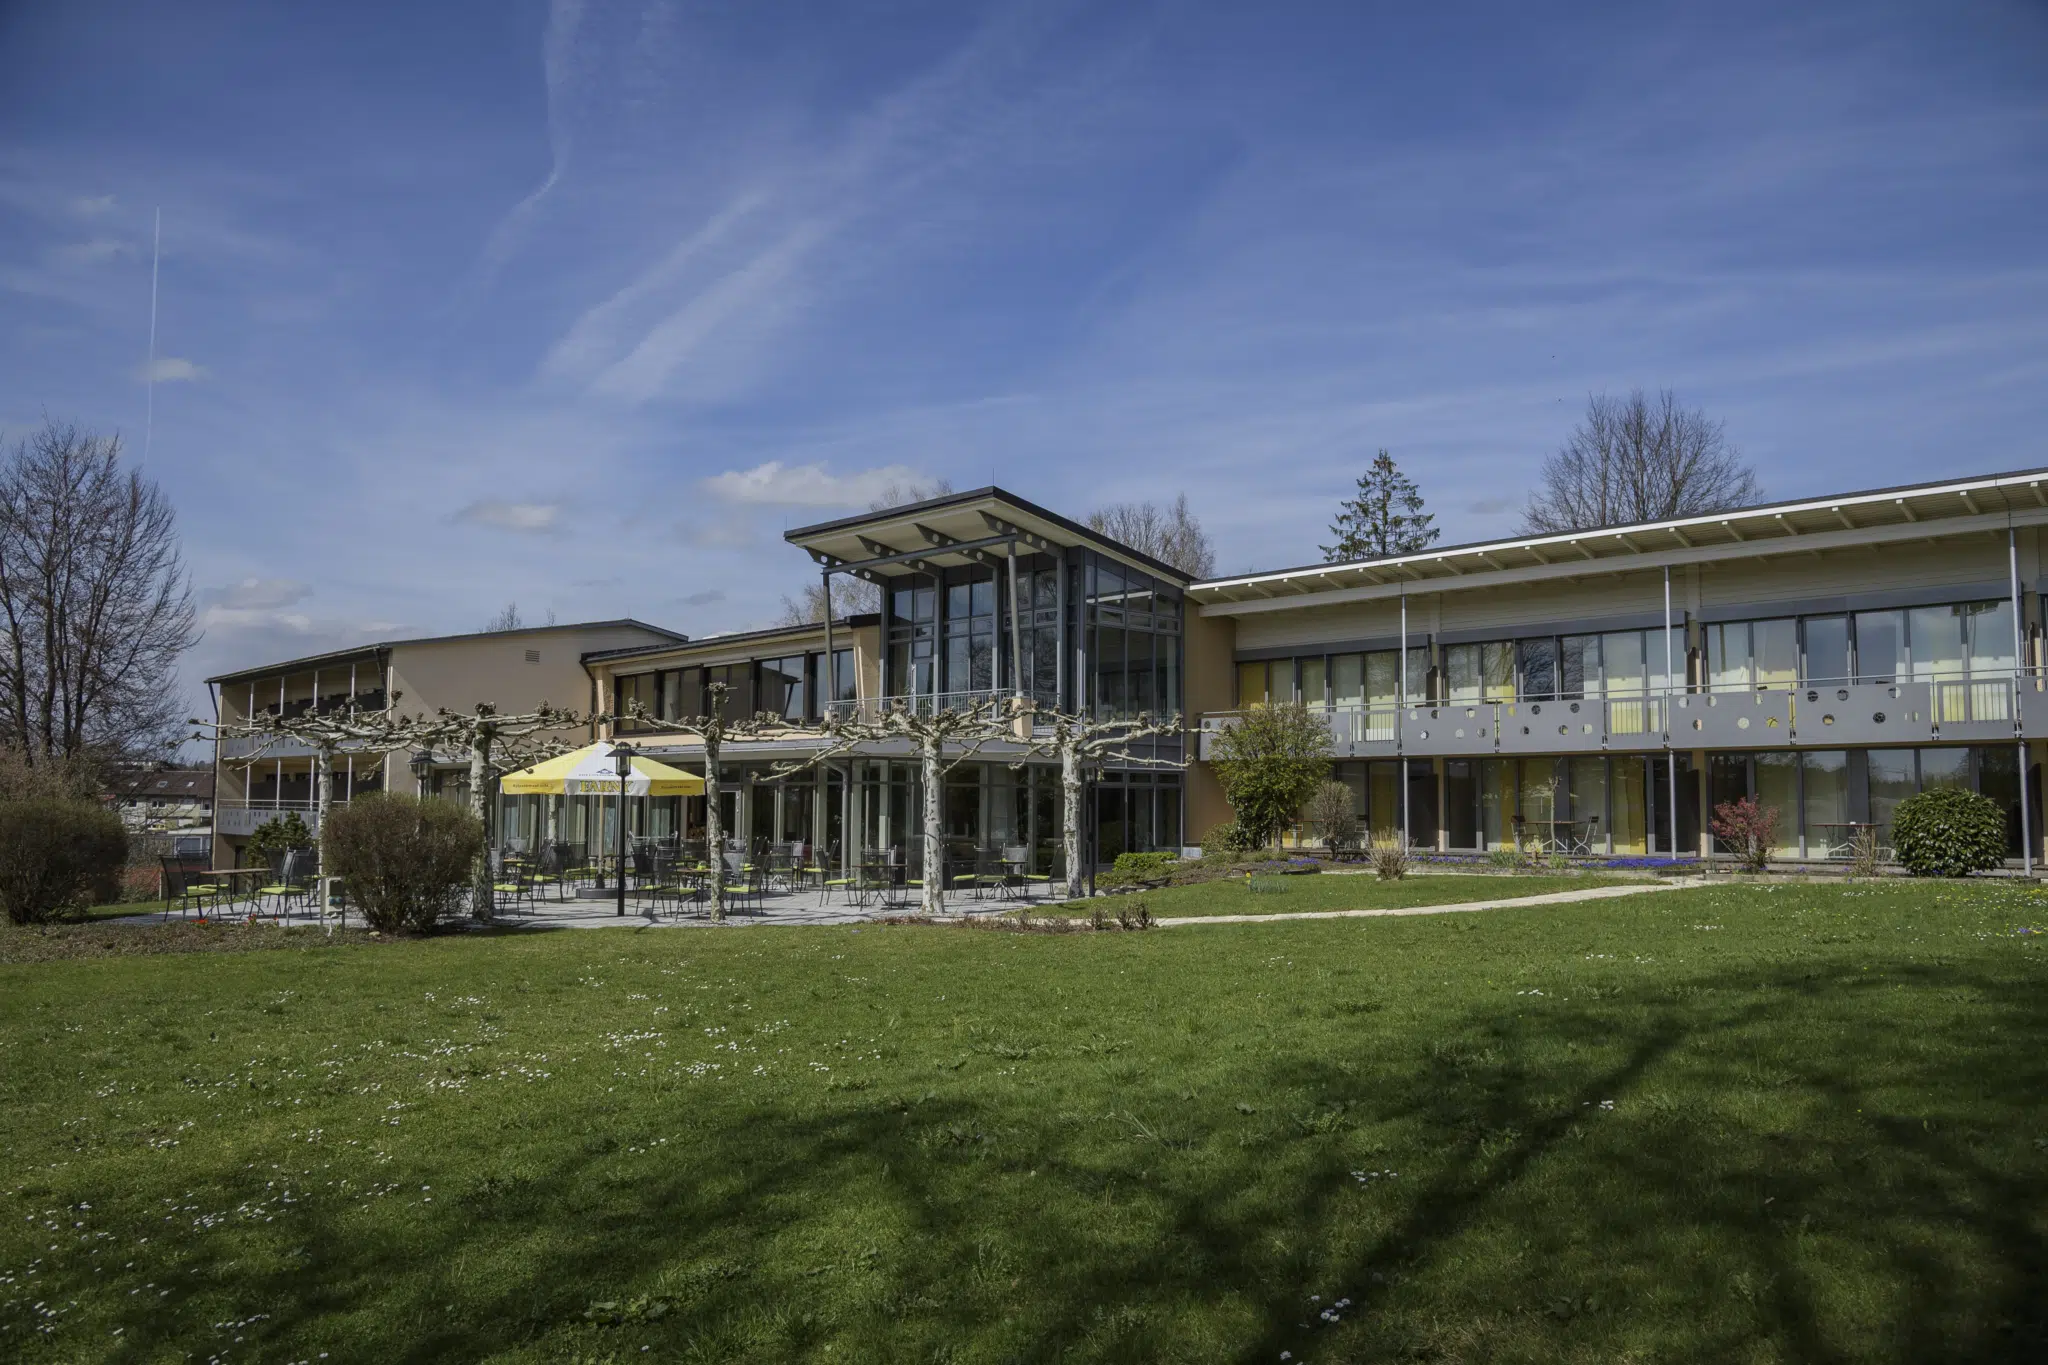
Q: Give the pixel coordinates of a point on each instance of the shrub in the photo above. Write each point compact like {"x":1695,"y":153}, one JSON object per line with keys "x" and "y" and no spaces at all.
{"x":1863,"y":854}
{"x":1332,"y":817}
{"x":55,"y":853}
{"x":1747,"y":829}
{"x":1390,"y":858}
{"x":1229,"y":840}
{"x":277,"y":837}
{"x":1270,"y":761}
{"x":406,"y":860}
{"x":1948,"y":832}
{"x":1140,"y":869}
{"x":1504,"y":858}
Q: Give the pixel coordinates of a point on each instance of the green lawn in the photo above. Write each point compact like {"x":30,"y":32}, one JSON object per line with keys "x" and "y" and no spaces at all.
{"x":1342,"y":891}
{"x":1788,"y":1124}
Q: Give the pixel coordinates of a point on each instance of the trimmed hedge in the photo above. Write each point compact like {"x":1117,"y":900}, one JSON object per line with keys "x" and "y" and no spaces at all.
{"x":1948,"y":832}
{"x":407,"y":861}
{"x":1140,"y":869}
{"x":55,"y":854}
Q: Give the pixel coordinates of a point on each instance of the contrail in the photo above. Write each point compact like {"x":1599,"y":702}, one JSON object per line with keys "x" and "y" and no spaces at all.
{"x":149,"y":375}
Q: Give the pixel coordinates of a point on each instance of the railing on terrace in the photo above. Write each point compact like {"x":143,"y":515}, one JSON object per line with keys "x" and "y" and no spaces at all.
{"x":245,"y":817}
{"x":1819,"y":713}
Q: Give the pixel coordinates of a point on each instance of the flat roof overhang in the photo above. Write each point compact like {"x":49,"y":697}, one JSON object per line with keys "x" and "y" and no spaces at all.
{"x":980,"y":527}
{"x":1915,"y":512}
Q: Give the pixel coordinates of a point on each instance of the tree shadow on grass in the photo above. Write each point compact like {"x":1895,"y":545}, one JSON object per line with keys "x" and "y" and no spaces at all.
{"x":1784,"y":1172}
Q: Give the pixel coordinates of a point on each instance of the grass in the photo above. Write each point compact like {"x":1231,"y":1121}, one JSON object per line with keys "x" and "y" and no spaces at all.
{"x":1279,"y":893}
{"x":1799,"y":1123}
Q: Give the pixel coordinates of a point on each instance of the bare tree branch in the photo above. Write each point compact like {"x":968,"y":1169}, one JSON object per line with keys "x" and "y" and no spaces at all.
{"x":1170,"y":534}
{"x":95,"y":605}
{"x":1638,"y":459}
{"x":1078,"y":741}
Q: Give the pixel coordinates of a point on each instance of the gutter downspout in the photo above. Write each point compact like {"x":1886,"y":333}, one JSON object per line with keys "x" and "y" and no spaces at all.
{"x":2019,"y":638}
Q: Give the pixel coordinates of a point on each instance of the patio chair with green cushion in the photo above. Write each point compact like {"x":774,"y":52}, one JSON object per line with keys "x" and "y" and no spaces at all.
{"x":742,"y":881}
{"x":288,"y":883}
{"x":511,"y":882}
{"x":189,"y":887}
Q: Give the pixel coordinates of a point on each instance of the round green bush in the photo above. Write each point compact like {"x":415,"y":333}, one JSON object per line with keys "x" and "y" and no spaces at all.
{"x":406,"y":860}
{"x":1230,"y":838}
{"x":1948,"y":832}
{"x":55,"y":854}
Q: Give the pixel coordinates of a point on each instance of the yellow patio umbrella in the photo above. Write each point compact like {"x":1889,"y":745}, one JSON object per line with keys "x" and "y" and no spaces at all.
{"x":592,"y":771}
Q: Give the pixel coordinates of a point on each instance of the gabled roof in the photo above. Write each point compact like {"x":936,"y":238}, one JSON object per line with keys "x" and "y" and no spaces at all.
{"x":922,"y":530}
{"x":1948,"y":506}
{"x":365,"y":651}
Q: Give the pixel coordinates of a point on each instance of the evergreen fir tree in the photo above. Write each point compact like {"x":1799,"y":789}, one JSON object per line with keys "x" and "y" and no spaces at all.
{"x":1384,"y":518}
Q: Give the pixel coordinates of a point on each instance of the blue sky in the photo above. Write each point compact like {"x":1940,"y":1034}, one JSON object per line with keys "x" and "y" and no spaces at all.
{"x":583,"y":305}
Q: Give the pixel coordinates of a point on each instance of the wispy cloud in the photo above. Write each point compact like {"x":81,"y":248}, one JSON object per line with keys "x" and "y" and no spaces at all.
{"x":88,"y":253}
{"x":259,"y":594}
{"x":775,"y":484}
{"x":170,"y":369}
{"x":527,"y":518}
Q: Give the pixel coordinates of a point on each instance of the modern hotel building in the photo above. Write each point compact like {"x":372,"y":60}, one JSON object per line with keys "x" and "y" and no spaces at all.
{"x":1600,"y":690}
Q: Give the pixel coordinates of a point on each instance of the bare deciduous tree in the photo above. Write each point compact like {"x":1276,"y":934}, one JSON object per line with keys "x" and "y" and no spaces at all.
{"x":95,"y":604}
{"x":496,"y":744}
{"x":942,"y":737}
{"x":510,"y":619}
{"x":1639,"y":459}
{"x":714,"y":731}
{"x":1080,"y":741}
{"x":1170,"y":534}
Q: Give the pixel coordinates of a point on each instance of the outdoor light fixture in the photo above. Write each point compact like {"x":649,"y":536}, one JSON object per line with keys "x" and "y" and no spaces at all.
{"x":423,"y":768}
{"x":622,"y":755}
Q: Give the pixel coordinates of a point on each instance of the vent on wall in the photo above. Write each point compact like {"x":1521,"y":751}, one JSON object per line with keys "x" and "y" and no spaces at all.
{"x":533,"y":656}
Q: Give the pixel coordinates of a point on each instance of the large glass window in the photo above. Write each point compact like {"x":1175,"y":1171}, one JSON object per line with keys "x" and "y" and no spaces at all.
{"x":1497,"y":801}
{"x":1777,"y":786}
{"x":1537,"y":665}
{"x":1482,"y":672}
{"x":1892,"y":780}
{"x":1252,"y":684}
{"x":1827,"y":649}
{"x":1315,"y":677}
{"x":1622,"y":666}
{"x":1934,"y":638}
{"x":1880,"y":646}
{"x":783,"y":692}
{"x":1774,"y":651}
{"x":1987,"y":628}
{"x":1825,"y":800}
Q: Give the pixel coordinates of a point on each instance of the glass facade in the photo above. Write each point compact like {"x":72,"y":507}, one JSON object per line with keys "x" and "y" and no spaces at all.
{"x":1915,"y":644}
{"x":1822,"y":796}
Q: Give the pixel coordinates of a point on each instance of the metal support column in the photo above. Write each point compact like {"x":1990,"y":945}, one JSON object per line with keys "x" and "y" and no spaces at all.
{"x":1401,"y":716}
{"x":1016,"y":630}
{"x":2019,"y":644}
{"x":1670,"y":754}
{"x":827,"y":685}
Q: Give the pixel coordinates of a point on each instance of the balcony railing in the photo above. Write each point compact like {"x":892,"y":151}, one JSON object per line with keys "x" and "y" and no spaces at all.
{"x":243,"y":818}
{"x":1977,"y":708}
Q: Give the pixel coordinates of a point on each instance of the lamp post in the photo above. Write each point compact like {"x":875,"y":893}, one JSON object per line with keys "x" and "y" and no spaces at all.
{"x":622,"y":755}
{"x":423,"y":769}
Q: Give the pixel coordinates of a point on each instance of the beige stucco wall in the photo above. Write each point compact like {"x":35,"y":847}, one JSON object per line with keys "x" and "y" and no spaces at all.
{"x":1208,"y":680}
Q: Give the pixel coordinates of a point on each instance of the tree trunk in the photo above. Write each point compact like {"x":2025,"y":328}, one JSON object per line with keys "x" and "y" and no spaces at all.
{"x":714,"y":828}
{"x":323,"y":801}
{"x":1070,"y":817}
{"x":933,"y":902}
{"x":479,"y":774}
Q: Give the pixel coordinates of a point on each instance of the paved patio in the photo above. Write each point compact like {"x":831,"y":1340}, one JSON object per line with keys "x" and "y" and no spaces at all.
{"x":592,"y":910}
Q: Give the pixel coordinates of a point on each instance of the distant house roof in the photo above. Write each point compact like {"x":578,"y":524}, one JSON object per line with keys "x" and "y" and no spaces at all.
{"x":378,"y":647}
{"x":165,"y":784}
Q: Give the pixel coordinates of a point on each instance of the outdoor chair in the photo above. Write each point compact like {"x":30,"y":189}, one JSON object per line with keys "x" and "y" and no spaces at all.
{"x":548,"y":875}
{"x":742,"y":881}
{"x":288,"y":883}
{"x":511,"y":880}
{"x":188,"y":885}
{"x":1010,"y":877}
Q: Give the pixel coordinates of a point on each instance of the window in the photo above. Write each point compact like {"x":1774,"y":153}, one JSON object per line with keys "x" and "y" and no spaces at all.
{"x":1774,"y":652}
{"x":1484,"y":672}
{"x":1537,"y":664}
{"x":913,"y":641}
{"x":739,"y":683}
{"x":783,"y":692}
{"x":1251,"y":684}
{"x":1827,"y":649}
{"x":1315,"y":677}
{"x":1880,"y":646}
{"x":841,"y":686}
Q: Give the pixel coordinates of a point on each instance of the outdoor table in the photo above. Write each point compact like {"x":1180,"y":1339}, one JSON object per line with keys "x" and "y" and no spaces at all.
{"x":1549,"y":840}
{"x":1845,"y":847}
{"x":228,"y":875}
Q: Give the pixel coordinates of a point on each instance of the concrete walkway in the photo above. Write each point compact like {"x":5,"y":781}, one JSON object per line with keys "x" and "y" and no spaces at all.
{"x":1591,"y":893}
